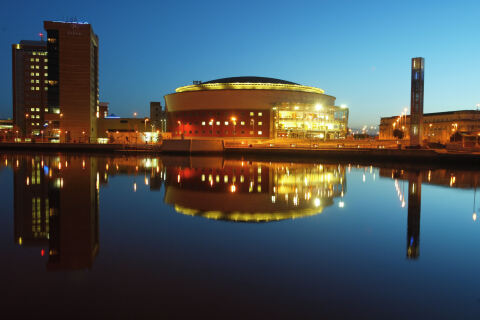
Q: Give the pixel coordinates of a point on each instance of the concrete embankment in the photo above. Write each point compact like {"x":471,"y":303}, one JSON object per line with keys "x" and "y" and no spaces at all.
{"x":216,"y":147}
{"x":364,"y":155}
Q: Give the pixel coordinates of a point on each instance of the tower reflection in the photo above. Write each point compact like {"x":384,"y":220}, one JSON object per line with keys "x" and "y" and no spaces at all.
{"x":414,"y":206}
{"x":245,"y":191}
{"x":451,"y":178}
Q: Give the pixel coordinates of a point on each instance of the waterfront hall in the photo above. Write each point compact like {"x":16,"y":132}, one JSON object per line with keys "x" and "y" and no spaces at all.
{"x":254,"y":107}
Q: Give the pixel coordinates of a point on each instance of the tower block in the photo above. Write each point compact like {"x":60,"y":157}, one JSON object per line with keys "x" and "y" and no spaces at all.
{"x":416,"y":102}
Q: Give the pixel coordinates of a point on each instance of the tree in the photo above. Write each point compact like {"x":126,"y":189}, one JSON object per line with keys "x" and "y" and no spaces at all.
{"x":397,"y":133}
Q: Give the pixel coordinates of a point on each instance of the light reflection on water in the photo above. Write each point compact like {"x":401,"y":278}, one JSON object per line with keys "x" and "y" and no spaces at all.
{"x":69,"y":210}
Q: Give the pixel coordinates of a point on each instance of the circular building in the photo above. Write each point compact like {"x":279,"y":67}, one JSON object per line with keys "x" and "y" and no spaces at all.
{"x":254,"y":107}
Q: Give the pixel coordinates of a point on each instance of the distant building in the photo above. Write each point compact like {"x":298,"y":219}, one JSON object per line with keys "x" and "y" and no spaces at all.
{"x":254,"y":108}
{"x":437,"y":127}
{"x":102,"y":110}
{"x":73,"y":80}
{"x":113,"y":129}
{"x":158,"y":117}
{"x":29,"y":85}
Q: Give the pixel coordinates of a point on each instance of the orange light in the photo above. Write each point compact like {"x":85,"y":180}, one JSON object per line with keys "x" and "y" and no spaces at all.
{"x":233,"y":188}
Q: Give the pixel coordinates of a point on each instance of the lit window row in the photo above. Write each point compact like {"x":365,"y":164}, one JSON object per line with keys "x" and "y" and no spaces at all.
{"x":37,"y":81}
{"x":35,"y":109}
{"x":35,"y":53}
{"x":226,"y":123}
{"x":253,"y":113}
{"x":35,"y":124}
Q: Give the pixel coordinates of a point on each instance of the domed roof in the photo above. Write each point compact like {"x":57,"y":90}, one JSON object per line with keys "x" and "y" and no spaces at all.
{"x":249,"y":79}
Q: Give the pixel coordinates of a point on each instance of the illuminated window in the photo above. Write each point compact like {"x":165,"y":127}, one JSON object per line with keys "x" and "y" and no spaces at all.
{"x":46,"y":88}
{"x":259,"y":179}
{"x":260,"y":133}
{"x":259,"y":189}
{"x":32,"y":67}
{"x":46,"y":81}
{"x":37,"y":88}
{"x":37,"y":81}
{"x":32,"y":81}
{"x":259,"y":123}
{"x":242,"y":123}
{"x":203,"y":123}
{"x":225,"y":178}
{"x":46,"y":74}
{"x":37,"y":60}
{"x":259,"y":114}
{"x":32,"y":88}
{"x":46,"y":109}
{"x":34,"y":53}
{"x":217,"y":178}
{"x":46,"y":60}
{"x":31,"y":59}
{"x":218,"y":123}
{"x":45,"y":67}
{"x":252,"y":114}
{"x":37,"y":67}
{"x":226,"y":123}
{"x":242,"y":178}
{"x":38,"y":109}
{"x":251,"y":133}
{"x":203,"y":177}
{"x":32,"y":109}
{"x":37,"y":74}
{"x":32,"y":74}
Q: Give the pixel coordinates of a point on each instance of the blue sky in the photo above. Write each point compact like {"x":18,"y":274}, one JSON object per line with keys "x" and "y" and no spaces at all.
{"x":357,"y":51}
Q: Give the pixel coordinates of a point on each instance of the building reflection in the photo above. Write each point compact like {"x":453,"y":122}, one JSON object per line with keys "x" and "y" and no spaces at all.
{"x":56,"y":208}
{"x":244,"y":191}
{"x":414,"y":206}
{"x":439,"y":177}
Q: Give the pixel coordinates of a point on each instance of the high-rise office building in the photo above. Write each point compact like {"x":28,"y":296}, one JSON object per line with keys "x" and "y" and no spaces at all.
{"x":29,"y":84}
{"x":73,"y":94}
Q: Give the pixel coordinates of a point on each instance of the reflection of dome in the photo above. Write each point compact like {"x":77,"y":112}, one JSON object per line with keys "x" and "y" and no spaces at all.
{"x":250,"y":217}
{"x":238,"y":207}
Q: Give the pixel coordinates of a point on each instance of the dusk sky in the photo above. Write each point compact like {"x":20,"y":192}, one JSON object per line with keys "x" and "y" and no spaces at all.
{"x":357,"y":51}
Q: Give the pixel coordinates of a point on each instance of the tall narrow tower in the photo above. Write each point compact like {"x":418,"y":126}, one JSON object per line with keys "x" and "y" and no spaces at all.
{"x":416,"y":102}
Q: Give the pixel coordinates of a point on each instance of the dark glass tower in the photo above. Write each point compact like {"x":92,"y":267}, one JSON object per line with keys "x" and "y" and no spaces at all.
{"x":416,"y":102}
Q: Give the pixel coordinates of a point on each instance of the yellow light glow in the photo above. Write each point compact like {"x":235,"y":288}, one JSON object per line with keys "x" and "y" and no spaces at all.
{"x":249,"y":86}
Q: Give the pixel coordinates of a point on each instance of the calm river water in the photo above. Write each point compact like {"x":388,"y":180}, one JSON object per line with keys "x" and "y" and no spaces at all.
{"x":145,"y":237}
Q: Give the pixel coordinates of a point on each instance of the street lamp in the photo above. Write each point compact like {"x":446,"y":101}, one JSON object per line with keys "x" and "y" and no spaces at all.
{"x":145,"y":127}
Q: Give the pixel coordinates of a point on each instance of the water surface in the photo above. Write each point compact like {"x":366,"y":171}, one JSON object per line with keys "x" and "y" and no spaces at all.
{"x":187,"y":237}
